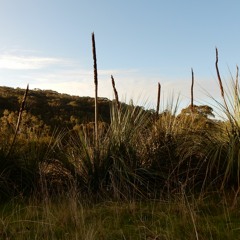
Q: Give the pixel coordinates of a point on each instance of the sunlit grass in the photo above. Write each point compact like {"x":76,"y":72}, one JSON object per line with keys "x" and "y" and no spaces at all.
{"x":181,"y":217}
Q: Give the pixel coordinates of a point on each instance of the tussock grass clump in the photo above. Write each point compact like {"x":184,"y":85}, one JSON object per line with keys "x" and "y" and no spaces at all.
{"x":113,"y":170}
{"x":224,"y":155}
{"x":176,"y":148}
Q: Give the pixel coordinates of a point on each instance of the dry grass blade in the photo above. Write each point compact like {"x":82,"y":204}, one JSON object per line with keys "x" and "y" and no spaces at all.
{"x":115,"y":92}
{"x":96,"y":87}
{"x":19,"y":119}
{"x":218,"y":75}
{"x":236,"y":84}
{"x":236,"y":93}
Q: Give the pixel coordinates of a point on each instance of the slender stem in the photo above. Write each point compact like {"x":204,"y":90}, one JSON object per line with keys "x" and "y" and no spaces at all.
{"x":221,"y":85}
{"x":192,"y":90}
{"x":19,"y":120}
{"x":96,"y":88}
{"x":158,"y":98}
{"x":115,"y":92}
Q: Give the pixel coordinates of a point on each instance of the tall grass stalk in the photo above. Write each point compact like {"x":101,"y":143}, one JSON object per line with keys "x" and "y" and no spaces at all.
{"x":115,"y":92}
{"x":221,"y":86}
{"x":192,"y":89}
{"x":96,"y":88}
{"x":158,"y":98}
{"x":19,"y":120}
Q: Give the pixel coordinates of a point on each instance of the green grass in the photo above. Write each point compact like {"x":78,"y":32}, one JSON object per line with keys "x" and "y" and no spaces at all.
{"x":180,"y":217}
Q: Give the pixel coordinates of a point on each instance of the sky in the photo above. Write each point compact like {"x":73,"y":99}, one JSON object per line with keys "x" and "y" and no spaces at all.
{"x":47,"y":44}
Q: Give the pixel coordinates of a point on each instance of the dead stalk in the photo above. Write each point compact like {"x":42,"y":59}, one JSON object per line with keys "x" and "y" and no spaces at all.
{"x":221,"y":85}
{"x":158,"y":98}
{"x":115,"y":93}
{"x":192,"y":90}
{"x":18,"y":120}
{"x":96,"y":87}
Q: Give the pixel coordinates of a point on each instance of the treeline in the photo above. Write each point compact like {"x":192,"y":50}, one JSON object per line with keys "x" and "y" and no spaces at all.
{"x":51,"y":109}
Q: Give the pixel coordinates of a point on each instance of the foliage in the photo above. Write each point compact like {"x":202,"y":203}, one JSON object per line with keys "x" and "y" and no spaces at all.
{"x":53,"y":108}
{"x":138,"y":154}
{"x":112,"y":168}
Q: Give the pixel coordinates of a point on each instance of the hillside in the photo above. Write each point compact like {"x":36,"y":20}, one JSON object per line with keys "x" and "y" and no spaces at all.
{"x":52,"y":108}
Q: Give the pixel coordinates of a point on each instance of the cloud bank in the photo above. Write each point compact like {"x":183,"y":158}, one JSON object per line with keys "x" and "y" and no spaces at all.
{"x":17,"y":69}
{"x":16,"y":62}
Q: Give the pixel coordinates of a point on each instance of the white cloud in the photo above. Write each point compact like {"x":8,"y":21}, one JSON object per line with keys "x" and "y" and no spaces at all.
{"x":15,"y":61}
{"x":67,"y":76}
{"x":130,"y":84}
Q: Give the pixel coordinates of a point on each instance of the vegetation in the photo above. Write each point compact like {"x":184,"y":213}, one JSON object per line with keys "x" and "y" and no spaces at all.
{"x":178,"y":218}
{"x":52,"y":109}
{"x":127,"y":173}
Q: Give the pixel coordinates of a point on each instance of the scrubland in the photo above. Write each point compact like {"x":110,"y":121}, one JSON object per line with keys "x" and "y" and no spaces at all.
{"x":143,"y":174}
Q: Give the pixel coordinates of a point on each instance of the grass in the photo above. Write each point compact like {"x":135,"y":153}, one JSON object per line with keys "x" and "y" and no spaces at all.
{"x":149,"y":180}
{"x":182,"y":217}
{"x":143,"y":176}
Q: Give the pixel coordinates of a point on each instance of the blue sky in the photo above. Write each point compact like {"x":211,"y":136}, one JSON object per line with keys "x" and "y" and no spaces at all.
{"x":47,"y":43}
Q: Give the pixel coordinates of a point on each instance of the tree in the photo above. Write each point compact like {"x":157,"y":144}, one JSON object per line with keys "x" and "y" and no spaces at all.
{"x":202,"y":111}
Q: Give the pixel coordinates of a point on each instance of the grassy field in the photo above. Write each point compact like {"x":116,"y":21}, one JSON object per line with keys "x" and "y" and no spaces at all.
{"x":181,"y":217}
